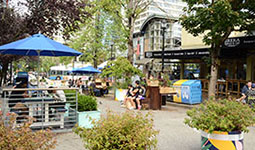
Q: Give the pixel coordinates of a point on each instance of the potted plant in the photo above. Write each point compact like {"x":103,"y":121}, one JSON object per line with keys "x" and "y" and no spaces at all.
{"x":87,"y":110}
{"x":153,"y":82}
{"x":128,"y":130}
{"x":166,"y":85}
{"x":222,"y":123}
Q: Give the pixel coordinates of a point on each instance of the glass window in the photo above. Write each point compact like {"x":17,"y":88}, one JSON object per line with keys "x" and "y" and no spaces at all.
{"x":59,"y":72}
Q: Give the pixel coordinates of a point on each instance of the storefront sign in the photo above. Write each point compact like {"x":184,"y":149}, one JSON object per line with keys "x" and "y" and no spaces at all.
{"x":247,"y":42}
{"x":178,"y":54}
{"x":233,"y":42}
{"x":232,"y":47}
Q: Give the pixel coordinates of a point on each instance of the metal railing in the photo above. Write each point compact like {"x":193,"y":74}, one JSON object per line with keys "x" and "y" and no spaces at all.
{"x":54,"y":108}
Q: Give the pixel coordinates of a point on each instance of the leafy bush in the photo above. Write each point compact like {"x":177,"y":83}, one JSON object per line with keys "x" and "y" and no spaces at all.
{"x":86,"y":103}
{"x":69,"y":93}
{"x":222,"y":115}
{"x":22,"y":137}
{"x":132,"y":131}
{"x":166,"y":82}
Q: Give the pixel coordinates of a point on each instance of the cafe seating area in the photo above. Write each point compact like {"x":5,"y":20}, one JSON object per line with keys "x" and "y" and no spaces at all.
{"x":44,"y":107}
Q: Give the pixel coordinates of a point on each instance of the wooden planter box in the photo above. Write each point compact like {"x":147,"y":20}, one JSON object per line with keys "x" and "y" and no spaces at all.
{"x":166,"y":90}
{"x":153,"y":83}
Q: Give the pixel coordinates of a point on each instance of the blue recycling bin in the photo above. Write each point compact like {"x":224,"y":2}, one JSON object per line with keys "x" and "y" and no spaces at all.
{"x":191,"y":92}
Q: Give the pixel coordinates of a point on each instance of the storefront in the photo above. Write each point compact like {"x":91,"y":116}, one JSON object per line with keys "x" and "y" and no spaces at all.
{"x":237,"y":60}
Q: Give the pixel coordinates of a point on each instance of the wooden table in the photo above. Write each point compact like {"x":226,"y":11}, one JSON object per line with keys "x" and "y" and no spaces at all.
{"x":166,"y":94}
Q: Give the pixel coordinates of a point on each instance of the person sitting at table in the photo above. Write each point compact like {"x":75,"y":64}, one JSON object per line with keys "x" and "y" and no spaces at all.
{"x":58,"y":95}
{"x":59,"y":105}
{"x":94,"y":91}
{"x":15,"y":102}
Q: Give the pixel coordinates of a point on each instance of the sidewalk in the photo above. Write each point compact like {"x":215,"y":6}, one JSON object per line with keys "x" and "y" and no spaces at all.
{"x":174,"y":135}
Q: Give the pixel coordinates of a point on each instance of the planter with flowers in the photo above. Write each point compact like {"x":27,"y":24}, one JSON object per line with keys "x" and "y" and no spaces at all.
{"x":222,"y":123}
{"x":153,"y":83}
{"x":166,"y":85}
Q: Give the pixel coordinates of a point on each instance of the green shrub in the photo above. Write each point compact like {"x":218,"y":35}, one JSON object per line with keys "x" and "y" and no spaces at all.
{"x":166,"y":82}
{"x":86,"y":103}
{"x":222,"y":115}
{"x":127,"y":131}
{"x":22,"y":137}
{"x":69,"y":93}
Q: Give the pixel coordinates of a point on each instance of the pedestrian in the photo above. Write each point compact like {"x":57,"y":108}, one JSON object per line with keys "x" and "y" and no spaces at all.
{"x":244,"y":90}
{"x":70,"y":83}
{"x":250,"y":96}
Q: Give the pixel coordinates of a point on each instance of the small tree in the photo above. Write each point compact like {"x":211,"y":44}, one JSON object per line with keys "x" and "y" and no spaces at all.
{"x":217,"y":19}
{"x":121,"y":69}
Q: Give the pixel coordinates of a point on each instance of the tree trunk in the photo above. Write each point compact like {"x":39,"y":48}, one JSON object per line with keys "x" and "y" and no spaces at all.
{"x":131,"y":30}
{"x":214,"y":72}
{"x":130,"y":47}
{"x":4,"y":74}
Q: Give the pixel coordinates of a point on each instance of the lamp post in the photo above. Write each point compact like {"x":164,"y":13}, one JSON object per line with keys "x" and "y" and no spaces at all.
{"x":163,"y":27}
{"x":111,"y":50}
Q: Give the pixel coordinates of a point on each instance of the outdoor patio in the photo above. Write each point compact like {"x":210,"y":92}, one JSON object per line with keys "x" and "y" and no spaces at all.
{"x":173,"y":135}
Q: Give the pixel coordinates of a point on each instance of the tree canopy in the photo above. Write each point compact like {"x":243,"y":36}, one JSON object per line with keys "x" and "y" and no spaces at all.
{"x":49,"y":17}
{"x":216,"y":20}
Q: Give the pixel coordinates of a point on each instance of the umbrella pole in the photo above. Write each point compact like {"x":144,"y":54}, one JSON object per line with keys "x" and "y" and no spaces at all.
{"x":38,"y":71}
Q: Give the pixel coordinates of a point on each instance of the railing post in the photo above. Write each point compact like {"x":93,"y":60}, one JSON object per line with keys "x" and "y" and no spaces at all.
{"x":43,"y":110}
{"x":76,"y":107}
{"x":4,"y":107}
{"x":226,"y":88}
{"x":238,"y":88}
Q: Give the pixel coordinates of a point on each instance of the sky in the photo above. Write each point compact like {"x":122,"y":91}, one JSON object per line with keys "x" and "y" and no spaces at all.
{"x":21,"y":9}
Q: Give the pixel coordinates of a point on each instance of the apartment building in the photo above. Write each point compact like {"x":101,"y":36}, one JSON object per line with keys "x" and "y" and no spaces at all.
{"x":148,"y":31}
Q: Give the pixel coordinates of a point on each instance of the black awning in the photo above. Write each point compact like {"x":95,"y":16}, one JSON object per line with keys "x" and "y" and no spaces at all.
{"x":179,"y":54}
{"x":237,"y":47}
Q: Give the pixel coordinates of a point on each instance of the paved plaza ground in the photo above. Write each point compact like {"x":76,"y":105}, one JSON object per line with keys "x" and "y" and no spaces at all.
{"x":174,"y":135}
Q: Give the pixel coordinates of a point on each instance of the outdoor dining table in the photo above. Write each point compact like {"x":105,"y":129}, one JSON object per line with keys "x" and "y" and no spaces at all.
{"x":30,"y":102}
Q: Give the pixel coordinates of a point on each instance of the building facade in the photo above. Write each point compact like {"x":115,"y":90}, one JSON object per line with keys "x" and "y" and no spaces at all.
{"x":148,"y":31}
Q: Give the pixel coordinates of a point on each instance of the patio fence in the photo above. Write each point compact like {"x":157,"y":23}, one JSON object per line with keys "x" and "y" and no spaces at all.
{"x":42,"y":106}
{"x":225,"y":87}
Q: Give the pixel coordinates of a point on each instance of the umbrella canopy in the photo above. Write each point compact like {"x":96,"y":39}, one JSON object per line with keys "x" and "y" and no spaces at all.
{"x":38,"y":45}
{"x":88,"y":69}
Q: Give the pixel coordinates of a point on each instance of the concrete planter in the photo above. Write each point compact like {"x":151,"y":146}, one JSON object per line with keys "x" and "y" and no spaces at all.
{"x":84,"y":118}
{"x":222,"y":140}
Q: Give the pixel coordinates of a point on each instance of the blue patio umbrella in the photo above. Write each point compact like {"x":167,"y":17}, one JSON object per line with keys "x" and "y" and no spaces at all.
{"x":38,"y":45}
{"x":88,"y":69}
